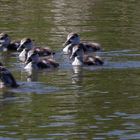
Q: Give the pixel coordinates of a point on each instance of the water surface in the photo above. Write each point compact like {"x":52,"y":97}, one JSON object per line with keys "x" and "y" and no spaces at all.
{"x":90,"y":103}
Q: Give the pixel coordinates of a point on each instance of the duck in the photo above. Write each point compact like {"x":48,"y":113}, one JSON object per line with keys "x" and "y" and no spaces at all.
{"x":33,"y":61}
{"x":6,"y":44}
{"x":74,"y":39}
{"x":26,"y":44}
{"x":6,"y":77}
{"x":79,"y":58}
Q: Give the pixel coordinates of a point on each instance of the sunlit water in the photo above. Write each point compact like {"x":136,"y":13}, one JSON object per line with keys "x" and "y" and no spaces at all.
{"x":68,"y":103}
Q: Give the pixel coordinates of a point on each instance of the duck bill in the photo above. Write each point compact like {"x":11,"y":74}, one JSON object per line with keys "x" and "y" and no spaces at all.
{"x":75,"y":52}
{"x":28,"y":60}
{"x":20,"y":48}
{"x":73,"y":55}
{"x":67,"y":43}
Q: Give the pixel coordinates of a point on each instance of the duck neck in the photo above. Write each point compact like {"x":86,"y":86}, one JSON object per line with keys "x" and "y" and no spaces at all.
{"x":78,"y":61}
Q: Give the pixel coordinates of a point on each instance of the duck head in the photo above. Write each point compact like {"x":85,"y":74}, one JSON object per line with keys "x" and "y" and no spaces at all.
{"x":25,"y":43}
{"x":4,"y":40}
{"x":72,"y":38}
{"x":32,"y":61}
{"x":32,"y":56}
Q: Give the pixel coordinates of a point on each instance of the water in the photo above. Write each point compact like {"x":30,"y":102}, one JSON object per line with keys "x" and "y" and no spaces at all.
{"x":91,"y":103}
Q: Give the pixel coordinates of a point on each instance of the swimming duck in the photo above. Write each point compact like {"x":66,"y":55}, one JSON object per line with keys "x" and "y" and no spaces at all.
{"x":26,"y":44}
{"x":33,"y":61}
{"x":80,"y":58}
{"x":74,"y":39}
{"x":7,"y":79}
{"x":6,"y":44}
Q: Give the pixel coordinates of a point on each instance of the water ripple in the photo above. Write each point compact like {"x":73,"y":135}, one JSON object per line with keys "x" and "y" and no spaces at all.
{"x":35,"y":87}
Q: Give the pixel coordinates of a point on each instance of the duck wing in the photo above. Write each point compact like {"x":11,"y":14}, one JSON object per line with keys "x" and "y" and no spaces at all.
{"x":92,"y":46}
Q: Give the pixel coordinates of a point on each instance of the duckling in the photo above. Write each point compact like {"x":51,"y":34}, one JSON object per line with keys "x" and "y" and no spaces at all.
{"x":33,"y":61}
{"x":74,"y":39}
{"x":7,"y":79}
{"x":6,"y":44}
{"x":80,"y":58}
{"x":26,"y":44}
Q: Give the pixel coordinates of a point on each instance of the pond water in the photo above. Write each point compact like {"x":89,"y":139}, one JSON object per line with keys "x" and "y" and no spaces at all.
{"x":90,"y":103}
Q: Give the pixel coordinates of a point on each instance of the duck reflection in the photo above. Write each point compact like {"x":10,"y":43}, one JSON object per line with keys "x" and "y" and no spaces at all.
{"x":77,"y":75}
{"x":32,"y":76}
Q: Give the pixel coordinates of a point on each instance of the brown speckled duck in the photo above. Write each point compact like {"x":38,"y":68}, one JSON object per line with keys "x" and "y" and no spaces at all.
{"x":26,"y":44}
{"x":33,"y":61}
{"x":74,"y":39}
{"x":79,"y":58}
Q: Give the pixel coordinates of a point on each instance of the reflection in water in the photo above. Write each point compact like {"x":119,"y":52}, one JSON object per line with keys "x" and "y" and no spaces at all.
{"x":77,"y":75}
{"x":32,"y":75}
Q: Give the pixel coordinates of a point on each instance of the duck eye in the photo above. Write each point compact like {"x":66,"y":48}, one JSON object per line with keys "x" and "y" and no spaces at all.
{"x":72,"y":37}
{"x":2,"y":38}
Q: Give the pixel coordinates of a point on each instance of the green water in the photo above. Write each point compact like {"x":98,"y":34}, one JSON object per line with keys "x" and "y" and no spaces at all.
{"x":97,"y":103}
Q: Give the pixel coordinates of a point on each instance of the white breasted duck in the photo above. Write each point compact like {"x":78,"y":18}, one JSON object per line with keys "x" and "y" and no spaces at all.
{"x":74,"y":39}
{"x":6,"y":44}
{"x":26,"y":44}
{"x":33,"y":61}
{"x":79,"y":58}
{"x":6,"y":77}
